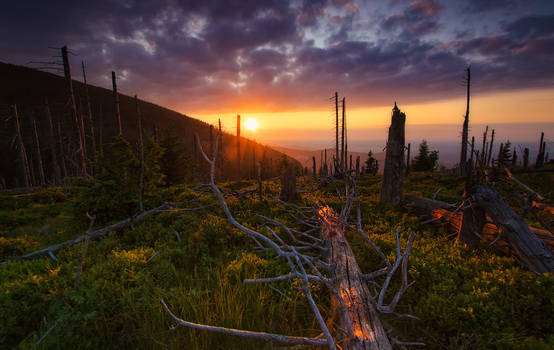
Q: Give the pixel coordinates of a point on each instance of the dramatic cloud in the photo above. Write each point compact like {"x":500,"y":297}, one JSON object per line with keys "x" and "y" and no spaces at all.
{"x":276,"y":55}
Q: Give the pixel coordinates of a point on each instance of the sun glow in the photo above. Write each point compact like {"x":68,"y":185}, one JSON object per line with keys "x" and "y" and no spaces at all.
{"x":251,"y":124}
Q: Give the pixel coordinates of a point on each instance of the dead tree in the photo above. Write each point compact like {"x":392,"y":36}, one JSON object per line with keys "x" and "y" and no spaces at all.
{"x":391,"y":189}
{"x":332,"y":264}
{"x":357,"y":165}
{"x":21,"y":148}
{"x":473,"y":216}
{"x":530,"y":250}
{"x":465,"y":133}
{"x":238,"y":148}
{"x":71,"y":96}
{"x":313,"y":168}
{"x":490,"y":149}
{"x":540,"y":156}
{"x":51,"y":138}
{"x":117,"y":114}
{"x":525,"y":158}
{"x":484,"y":149}
{"x":39,"y":156}
{"x":288,"y":183}
{"x":89,"y":112}
{"x":342,"y":149}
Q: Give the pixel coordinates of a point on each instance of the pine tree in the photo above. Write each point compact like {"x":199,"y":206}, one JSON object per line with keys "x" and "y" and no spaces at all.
{"x":505,"y":155}
{"x":425,"y":160}
{"x":372,"y":166}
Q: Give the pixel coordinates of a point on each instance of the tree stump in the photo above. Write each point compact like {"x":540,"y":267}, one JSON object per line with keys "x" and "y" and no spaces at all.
{"x":391,"y":189}
{"x":288,"y":183}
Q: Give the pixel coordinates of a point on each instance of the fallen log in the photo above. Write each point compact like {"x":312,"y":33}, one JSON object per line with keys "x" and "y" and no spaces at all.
{"x":94,"y":234}
{"x":516,"y":236}
{"x":361,"y":315}
{"x":529,"y":248}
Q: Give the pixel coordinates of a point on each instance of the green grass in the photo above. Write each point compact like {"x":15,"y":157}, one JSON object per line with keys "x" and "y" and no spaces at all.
{"x":464,"y":298}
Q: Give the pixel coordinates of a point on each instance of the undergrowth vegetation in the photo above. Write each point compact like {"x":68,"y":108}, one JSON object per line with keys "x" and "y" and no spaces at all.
{"x":464,"y":298}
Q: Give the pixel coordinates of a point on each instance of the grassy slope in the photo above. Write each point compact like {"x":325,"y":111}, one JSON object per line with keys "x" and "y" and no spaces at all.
{"x":464,"y":298}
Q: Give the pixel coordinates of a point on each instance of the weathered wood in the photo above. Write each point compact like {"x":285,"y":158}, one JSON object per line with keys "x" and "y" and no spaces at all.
{"x":94,"y":234}
{"x":363,"y":320}
{"x":336,"y":130}
{"x":39,"y":156}
{"x":442,"y":213}
{"x":391,"y":189}
{"x":490,"y":149}
{"x":21,"y":147}
{"x":529,"y":249}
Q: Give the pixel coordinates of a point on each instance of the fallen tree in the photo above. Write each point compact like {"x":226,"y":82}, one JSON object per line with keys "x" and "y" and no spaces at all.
{"x":91,"y":235}
{"x":503,"y":227}
{"x":328,"y":260}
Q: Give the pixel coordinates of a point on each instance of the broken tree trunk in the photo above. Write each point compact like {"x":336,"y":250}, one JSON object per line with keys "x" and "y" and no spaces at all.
{"x":529,"y":249}
{"x":348,"y":281}
{"x":443,"y":213}
{"x":391,"y":189}
{"x":71,"y":96}
{"x":22,"y":152}
{"x":465,"y":132}
{"x":288,"y":183}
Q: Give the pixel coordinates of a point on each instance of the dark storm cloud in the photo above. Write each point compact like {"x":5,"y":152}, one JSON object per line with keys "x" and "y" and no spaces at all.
{"x":217,"y":55}
{"x":418,"y":18}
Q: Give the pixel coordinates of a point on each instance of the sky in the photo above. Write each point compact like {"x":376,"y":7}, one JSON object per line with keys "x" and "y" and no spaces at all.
{"x":280,"y":61}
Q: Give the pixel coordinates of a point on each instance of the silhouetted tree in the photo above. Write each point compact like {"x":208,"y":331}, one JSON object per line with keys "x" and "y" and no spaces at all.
{"x":425,"y":160}
{"x":371,"y":164}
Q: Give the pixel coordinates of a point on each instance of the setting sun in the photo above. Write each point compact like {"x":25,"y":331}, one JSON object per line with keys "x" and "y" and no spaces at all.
{"x":251,"y":124}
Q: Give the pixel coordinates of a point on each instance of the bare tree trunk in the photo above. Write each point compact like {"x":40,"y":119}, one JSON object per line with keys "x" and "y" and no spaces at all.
{"x":116,"y":104}
{"x":490,"y":149}
{"x":391,"y":189}
{"x":22,"y":152}
{"x":238,"y":148}
{"x":69,"y":87}
{"x":484,"y":150}
{"x":357,"y":165}
{"x":141,"y":150}
{"x":55,"y":166}
{"x":465,"y":133}
{"x":39,"y":156}
{"x":259,"y":178}
{"x":540,"y":157}
{"x":89,"y":110}
{"x":314,"y":168}
{"x":82,"y":126}
{"x":473,"y":216}
{"x":288,"y":183}
{"x":348,"y":281}
{"x":472,"y":150}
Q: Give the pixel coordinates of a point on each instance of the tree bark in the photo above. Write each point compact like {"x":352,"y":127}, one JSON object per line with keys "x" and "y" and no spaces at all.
{"x":529,"y":249}
{"x":347,"y":279}
{"x":39,"y":156}
{"x":391,"y":189}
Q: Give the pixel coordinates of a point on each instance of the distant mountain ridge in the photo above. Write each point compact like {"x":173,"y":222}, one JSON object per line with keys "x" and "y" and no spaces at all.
{"x":28,"y":88}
